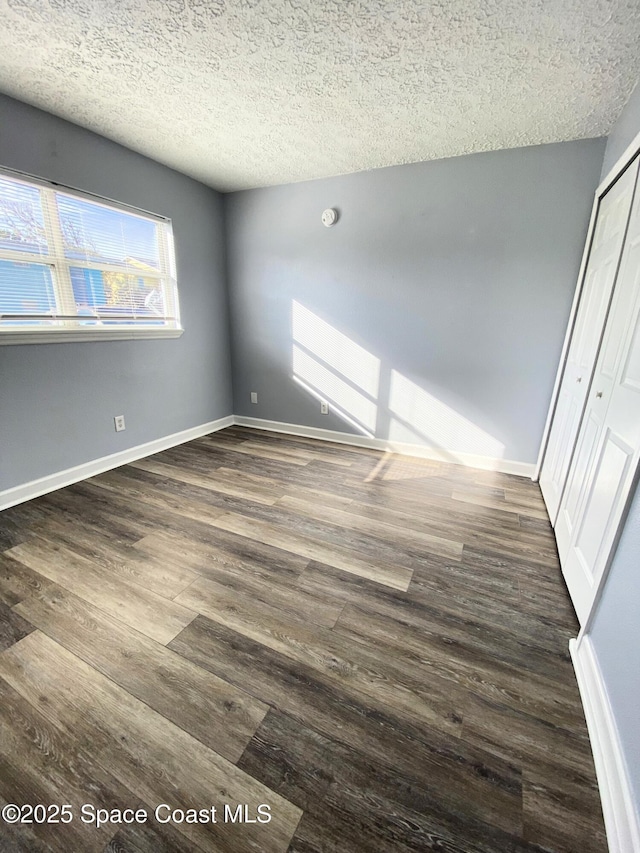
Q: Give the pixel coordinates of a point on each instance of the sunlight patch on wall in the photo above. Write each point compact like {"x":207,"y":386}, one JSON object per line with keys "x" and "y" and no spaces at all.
{"x":420,"y":418}
{"x":332,"y":367}
{"x":336,"y":349}
{"x":360,"y":410}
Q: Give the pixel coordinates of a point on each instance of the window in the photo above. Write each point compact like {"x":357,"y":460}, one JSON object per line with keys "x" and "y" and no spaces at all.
{"x":75,"y":267}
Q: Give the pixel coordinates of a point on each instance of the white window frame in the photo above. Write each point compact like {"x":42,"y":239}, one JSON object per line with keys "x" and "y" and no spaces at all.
{"x":60,"y":267}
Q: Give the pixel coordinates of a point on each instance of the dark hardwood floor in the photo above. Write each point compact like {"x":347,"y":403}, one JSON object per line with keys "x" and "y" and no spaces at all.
{"x":374,"y":646}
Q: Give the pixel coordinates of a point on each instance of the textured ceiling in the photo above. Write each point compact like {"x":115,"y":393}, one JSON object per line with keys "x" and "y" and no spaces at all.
{"x":246,"y":93}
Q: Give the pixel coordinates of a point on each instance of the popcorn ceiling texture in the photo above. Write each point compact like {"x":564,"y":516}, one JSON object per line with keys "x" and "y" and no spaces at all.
{"x":247,"y":93}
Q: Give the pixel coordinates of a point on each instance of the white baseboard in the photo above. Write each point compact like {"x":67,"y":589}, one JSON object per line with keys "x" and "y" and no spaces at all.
{"x":470,"y":460}
{"x":35,"y":488}
{"x":621,"y":818}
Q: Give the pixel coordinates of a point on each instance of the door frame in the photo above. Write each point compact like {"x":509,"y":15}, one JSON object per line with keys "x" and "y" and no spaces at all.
{"x":611,"y":177}
{"x":629,"y":154}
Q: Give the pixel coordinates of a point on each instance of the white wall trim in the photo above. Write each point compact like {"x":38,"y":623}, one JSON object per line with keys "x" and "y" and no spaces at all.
{"x":613,"y":174}
{"x":60,"y":479}
{"x":621,"y":818}
{"x":567,"y":337}
{"x":35,"y":488}
{"x":470,"y":460}
{"x":95,"y":334}
{"x":620,"y":165}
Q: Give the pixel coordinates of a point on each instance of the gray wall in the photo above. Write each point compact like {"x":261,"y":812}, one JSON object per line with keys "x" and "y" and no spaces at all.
{"x":456,"y":274}
{"x":615,"y":634}
{"x":623,"y":132}
{"x":615,"y":631}
{"x":57,"y":401}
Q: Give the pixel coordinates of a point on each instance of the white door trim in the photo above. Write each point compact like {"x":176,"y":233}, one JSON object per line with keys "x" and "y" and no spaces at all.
{"x":620,"y":812}
{"x":612,"y":175}
{"x":568,"y":335}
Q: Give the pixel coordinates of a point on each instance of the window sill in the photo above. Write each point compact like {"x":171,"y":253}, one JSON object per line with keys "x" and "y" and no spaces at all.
{"x":60,"y":336}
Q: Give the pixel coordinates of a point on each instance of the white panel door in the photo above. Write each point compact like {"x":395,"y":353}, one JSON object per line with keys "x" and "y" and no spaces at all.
{"x":608,"y":449}
{"x":599,"y":278}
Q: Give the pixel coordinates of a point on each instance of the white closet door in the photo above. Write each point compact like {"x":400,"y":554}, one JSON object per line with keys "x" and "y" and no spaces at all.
{"x":599,"y":278}
{"x":608,"y":449}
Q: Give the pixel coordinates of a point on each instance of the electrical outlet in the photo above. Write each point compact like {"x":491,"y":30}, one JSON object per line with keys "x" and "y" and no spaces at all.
{"x":324,"y":408}
{"x":254,"y":396}
{"x":119,"y":423}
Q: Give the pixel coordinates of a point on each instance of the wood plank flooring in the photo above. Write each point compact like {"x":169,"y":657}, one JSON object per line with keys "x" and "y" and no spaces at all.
{"x":374,"y":646}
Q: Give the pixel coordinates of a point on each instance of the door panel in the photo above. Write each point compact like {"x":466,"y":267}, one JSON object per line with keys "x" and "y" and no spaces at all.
{"x":625,"y":297}
{"x":611,"y":466}
{"x":574,"y":493}
{"x":566,"y":415}
{"x":631,"y":371}
{"x":597,"y":295}
{"x":600,"y":275}
{"x":605,"y":463}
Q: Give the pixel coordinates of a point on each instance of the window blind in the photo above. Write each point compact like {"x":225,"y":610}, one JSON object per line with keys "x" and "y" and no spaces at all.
{"x":71,"y":262}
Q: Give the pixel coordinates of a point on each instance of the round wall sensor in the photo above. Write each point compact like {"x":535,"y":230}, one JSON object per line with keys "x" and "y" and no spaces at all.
{"x":330,"y":217}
